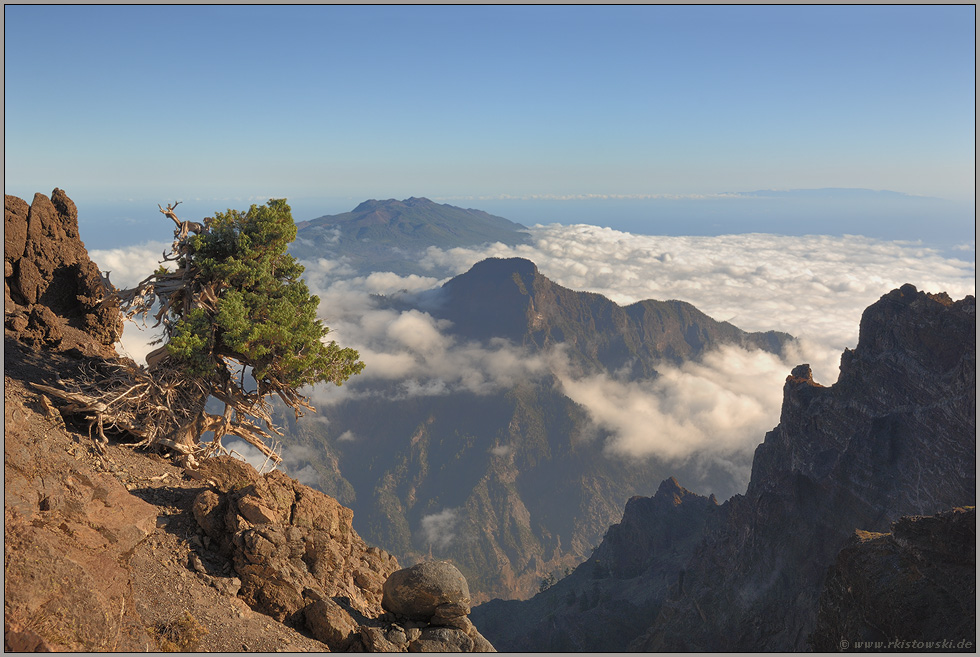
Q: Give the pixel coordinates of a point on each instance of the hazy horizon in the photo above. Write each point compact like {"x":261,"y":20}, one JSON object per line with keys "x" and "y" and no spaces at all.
{"x":934,"y":222}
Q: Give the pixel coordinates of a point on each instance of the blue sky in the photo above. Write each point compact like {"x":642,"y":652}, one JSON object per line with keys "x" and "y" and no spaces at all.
{"x":330,"y":105}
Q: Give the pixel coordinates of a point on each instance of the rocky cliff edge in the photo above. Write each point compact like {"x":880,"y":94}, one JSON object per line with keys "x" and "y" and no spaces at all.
{"x":55,"y":298}
{"x":109,"y":548}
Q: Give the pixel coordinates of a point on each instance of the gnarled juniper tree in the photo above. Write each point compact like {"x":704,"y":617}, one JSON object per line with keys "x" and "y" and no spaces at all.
{"x":239,"y":325}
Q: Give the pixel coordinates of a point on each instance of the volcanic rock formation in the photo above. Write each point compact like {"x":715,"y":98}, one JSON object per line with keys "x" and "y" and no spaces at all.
{"x":894,"y":436}
{"x":54,"y":295}
{"x":912,"y":589}
{"x":302,"y":563}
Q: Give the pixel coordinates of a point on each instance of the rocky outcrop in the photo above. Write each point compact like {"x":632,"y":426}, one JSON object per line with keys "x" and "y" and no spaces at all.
{"x":434,"y":597}
{"x":894,"y":436}
{"x":79,"y":543}
{"x":654,"y":528}
{"x":610,"y":598}
{"x":427,"y":590}
{"x":300,"y":561}
{"x":288,"y":542}
{"x":427,"y":611}
{"x":54,"y":295}
{"x":911,"y":589}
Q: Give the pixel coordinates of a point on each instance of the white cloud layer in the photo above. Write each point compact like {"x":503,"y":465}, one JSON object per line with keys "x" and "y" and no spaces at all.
{"x":410,"y":349}
{"x":439,"y":529}
{"x":813,"y":286}
{"x":128,"y":266}
{"x":716,"y":410}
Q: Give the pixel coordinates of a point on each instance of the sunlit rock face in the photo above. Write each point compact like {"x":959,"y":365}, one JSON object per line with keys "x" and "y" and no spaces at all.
{"x":54,"y":295}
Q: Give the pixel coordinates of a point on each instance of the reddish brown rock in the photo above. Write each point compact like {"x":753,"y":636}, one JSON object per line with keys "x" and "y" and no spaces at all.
{"x":69,"y":532}
{"x":330,"y":623}
{"x":46,"y":265}
{"x":21,"y":639}
{"x":14,"y":228}
{"x":288,"y":542}
{"x":74,"y":536}
{"x":374,"y":639}
{"x":255,"y":512}
{"x":301,"y":562}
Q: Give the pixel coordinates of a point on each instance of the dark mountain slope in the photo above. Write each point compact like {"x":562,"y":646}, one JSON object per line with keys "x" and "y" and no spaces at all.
{"x":912,"y":589}
{"x":520,"y":490}
{"x":894,"y":436}
{"x":513,"y":484}
{"x":612,"y":597}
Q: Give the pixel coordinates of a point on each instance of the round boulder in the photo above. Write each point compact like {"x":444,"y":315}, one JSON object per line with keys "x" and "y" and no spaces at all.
{"x":416,"y":592}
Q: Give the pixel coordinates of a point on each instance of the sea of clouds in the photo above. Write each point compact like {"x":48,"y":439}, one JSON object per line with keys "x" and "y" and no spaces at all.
{"x":715,"y":410}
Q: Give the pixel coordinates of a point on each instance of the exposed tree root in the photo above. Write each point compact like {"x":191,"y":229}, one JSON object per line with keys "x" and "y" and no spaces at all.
{"x":153,"y":409}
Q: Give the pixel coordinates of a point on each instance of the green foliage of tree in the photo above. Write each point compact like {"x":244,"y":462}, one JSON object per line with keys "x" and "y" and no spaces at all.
{"x":236,"y":305}
{"x":265,"y":316}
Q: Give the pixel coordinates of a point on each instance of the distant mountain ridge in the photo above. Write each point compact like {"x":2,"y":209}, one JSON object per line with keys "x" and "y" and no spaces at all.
{"x":511,"y":298}
{"x":390,"y":235}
